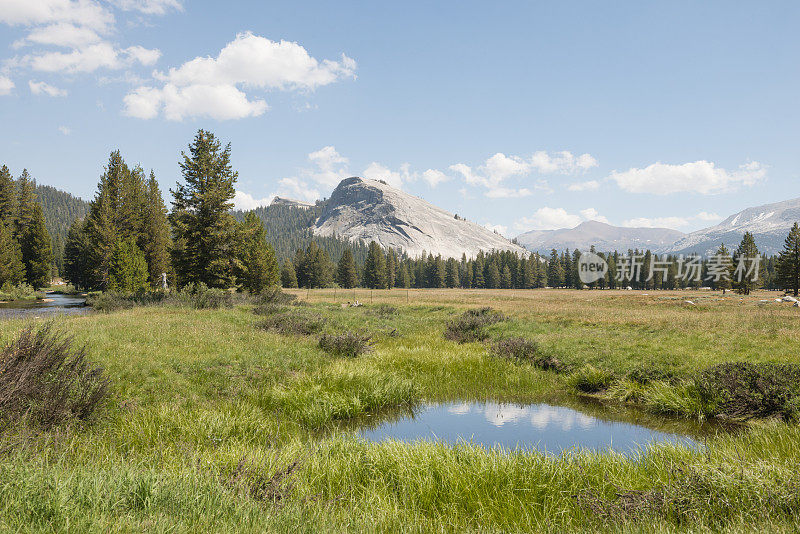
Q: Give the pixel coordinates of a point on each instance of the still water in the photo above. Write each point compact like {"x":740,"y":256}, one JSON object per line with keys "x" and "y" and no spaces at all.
{"x":53,"y":304}
{"x":543,"y":427}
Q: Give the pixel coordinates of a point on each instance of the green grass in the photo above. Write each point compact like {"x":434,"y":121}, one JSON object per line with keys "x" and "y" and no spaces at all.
{"x":209,"y":410}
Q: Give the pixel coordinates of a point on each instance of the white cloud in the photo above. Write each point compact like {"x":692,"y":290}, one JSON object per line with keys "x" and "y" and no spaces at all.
{"x":298,"y":189}
{"x":497,"y":228}
{"x":434,"y":177}
{"x":548,"y":218}
{"x":149,"y":7}
{"x":563,"y":162}
{"x":6,"y":85}
{"x":705,"y":216}
{"x":330,"y":166}
{"x":376,"y":171}
{"x":498,"y":168}
{"x":249,"y":61}
{"x":698,"y":177}
{"x":86,"y":13}
{"x":73,"y":36}
{"x":64,"y":130}
{"x":42,"y":88}
{"x":590,"y":185}
{"x":244,"y":201}
{"x":670,"y":222}
{"x":506,"y":192}
{"x":64,"y":34}
{"x":591,"y":214}
{"x":140,"y":54}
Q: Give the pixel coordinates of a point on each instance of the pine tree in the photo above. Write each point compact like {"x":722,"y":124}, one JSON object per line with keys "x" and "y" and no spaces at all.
{"x":788,"y":267}
{"x":375,"y":267}
{"x":492,"y":276}
{"x":8,"y":198}
{"x":506,"y":280}
{"x":202,"y":222}
{"x":258,"y":266}
{"x":288,"y":275}
{"x":745,"y":275}
{"x":76,"y":258}
{"x":128,"y":267}
{"x":37,"y":252}
{"x":555,"y":274}
{"x":403,"y":277}
{"x":391,"y":268}
{"x":102,"y":227}
{"x":155,"y":233}
{"x":451,"y":277}
{"x":346,"y":274}
{"x":26,"y":202}
{"x":12,"y":270}
{"x":724,"y":282}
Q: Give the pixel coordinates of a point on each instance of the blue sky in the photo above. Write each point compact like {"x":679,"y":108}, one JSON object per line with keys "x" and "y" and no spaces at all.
{"x":519,"y":115}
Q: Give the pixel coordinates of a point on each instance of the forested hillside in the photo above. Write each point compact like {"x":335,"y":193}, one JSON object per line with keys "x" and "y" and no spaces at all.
{"x":289,"y":229}
{"x":60,"y":210}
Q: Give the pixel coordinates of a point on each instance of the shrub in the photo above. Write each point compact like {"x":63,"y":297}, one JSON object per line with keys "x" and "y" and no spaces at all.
{"x":349,"y":344}
{"x":744,"y":390}
{"x":19,"y":292}
{"x":384,"y":310}
{"x":469,"y":326}
{"x":46,"y":381}
{"x":269,"y":309}
{"x":293,"y":324}
{"x":525,"y":350}
{"x":590,"y":379}
{"x":202,"y":297}
{"x":109,"y":301}
{"x":274,"y":295}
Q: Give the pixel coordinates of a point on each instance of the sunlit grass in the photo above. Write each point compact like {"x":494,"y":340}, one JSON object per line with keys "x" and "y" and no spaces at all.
{"x":197,"y":394}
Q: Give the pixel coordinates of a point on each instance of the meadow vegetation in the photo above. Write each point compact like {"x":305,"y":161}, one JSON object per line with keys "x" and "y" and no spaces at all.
{"x":212,"y":420}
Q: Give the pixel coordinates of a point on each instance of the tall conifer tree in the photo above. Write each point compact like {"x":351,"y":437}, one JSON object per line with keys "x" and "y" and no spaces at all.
{"x":788,"y":268}
{"x":201,"y":218}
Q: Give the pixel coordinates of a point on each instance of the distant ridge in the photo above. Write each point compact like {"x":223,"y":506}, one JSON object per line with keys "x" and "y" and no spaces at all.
{"x":603,"y":236}
{"x":769,"y":224}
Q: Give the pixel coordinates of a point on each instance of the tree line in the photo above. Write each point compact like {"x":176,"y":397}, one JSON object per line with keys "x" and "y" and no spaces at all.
{"x":26,"y":254}
{"x":129,"y":239}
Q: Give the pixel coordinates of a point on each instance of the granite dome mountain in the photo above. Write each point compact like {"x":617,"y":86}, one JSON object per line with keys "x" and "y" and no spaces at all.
{"x":370,"y":210}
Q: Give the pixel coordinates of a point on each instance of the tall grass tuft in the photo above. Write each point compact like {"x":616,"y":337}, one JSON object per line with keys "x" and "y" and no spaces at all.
{"x":293,"y":323}
{"x":590,"y":379}
{"x":469,"y":326}
{"x":525,"y":350}
{"x":45,"y":380}
{"x":349,"y":344}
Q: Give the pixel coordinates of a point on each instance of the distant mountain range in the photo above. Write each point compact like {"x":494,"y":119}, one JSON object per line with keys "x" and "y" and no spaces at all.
{"x":604,"y":237}
{"x":371,"y":210}
{"x":769,"y":225}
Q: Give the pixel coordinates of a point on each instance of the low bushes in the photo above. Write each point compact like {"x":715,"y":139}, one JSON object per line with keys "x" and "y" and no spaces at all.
{"x":19,"y":292}
{"x":744,"y":390}
{"x":469,"y":326}
{"x":349,"y":344}
{"x":293,"y":323}
{"x":46,"y":381}
{"x":525,"y":350}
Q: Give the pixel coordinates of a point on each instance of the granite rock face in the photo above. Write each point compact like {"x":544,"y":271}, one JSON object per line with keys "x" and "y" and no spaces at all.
{"x":370,"y":210}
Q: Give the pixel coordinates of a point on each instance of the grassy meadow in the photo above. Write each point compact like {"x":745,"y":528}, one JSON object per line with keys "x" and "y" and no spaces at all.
{"x":220,"y":421}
